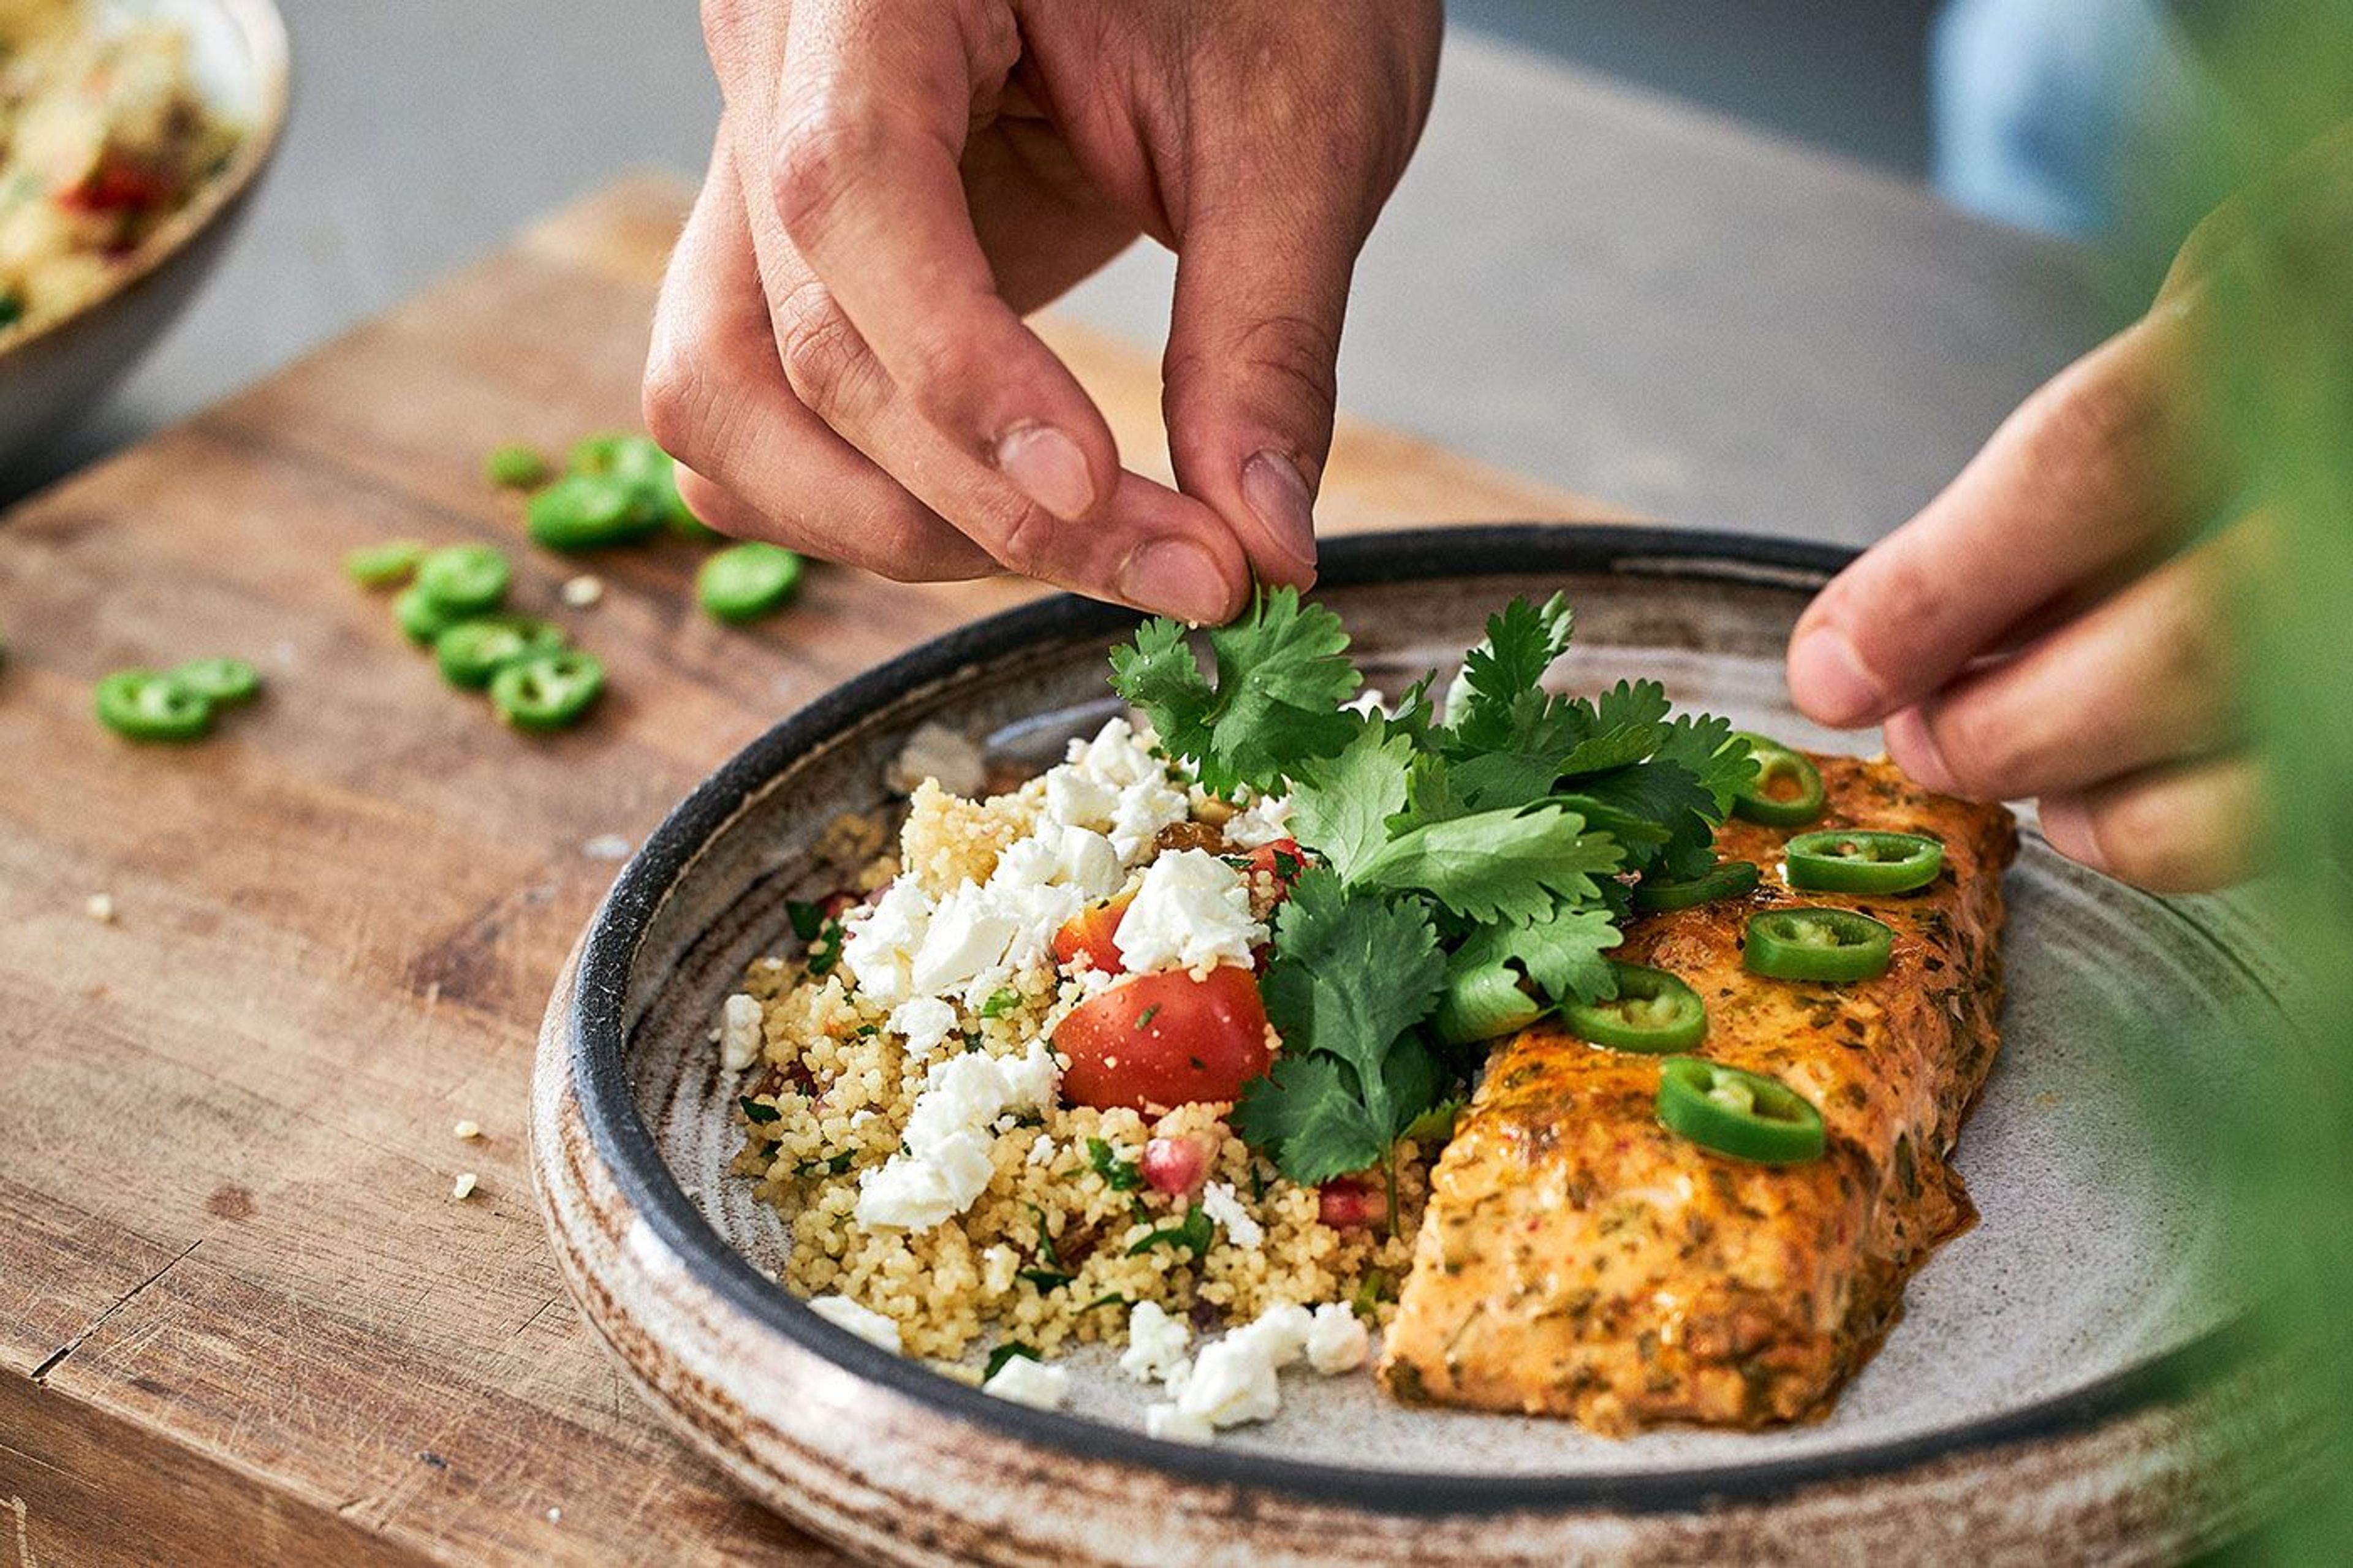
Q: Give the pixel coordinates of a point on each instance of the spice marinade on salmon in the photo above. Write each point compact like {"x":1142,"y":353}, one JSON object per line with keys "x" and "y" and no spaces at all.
{"x":1577,"y":1259}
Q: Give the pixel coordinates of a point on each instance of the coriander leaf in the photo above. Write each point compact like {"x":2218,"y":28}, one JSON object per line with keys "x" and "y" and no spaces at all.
{"x":1623,"y":725}
{"x":1717,"y":757}
{"x":754,"y":1110}
{"x":1282,"y":676}
{"x":1000,"y":1003}
{"x":1309,"y":1114}
{"x":1563,"y":952}
{"x":1341,"y":804}
{"x":1348,"y":976}
{"x":1522,"y":643}
{"x":1121,"y":1175}
{"x":1009,"y":1351}
{"x":807,"y":919}
{"x":1430,"y":792}
{"x":1435,"y":1125}
{"x":1498,"y":864}
{"x":1194,"y":1233}
{"x":1045,"y":1279}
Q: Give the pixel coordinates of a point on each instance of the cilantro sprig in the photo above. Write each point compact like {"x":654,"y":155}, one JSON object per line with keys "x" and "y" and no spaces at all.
{"x":1461,"y":855}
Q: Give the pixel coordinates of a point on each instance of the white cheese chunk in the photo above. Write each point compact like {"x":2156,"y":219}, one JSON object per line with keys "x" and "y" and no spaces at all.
{"x":969,"y":931}
{"x":1156,"y":1344}
{"x":1118,"y":755}
{"x":1223,"y":1205}
{"x":1030,"y":1383}
{"x":1192,"y":911}
{"x":739,"y":1032}
{"x":926,"y":1022}
{"x":1145,"y":809}
{"x":1233,"y":1379}
{"x":879,"y":946}
{"x":946,"y":1163}
{"x":1338,"y":1342}
{"x":862,"y":1320}
{"x":1076,"y":798}
{"x":1265,"y":820}
{"x":1170,"y":1424}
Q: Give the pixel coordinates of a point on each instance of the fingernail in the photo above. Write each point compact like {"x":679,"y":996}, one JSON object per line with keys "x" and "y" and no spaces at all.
{"x":2067,"y":828}
{"x":1050,"y":469}
{"x":1173,"y":577}
{"x":1830,"y":683}
{"x":1277,"y":496}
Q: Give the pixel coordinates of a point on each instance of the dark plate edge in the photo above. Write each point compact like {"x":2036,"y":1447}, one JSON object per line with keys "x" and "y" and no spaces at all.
{"x":627,"y":1147}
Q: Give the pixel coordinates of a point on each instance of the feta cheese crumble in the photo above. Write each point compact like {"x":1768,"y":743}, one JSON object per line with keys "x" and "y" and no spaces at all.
{"x":926,"y":1022}
{"x":463,"y":1187}
{"x":1156,"y":1344}
{"x":1233,"y":1379}
{"x":862,"y":1320}
{"x":879,"y":946}
{"x":1222,"y":1205}
{"x":1171,"y":1425}
{"x":739,"y":1032}
{"x":1337,"y":1342}
{"x":946,"y":1163}
{"x":1263,"y":821}
{"x":1030,"y":1383}
{"x":1191,"y":912}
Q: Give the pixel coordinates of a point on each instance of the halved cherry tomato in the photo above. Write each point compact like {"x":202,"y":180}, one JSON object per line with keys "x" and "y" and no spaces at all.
{"x":1090,"y":932}
{"x":1163,"y":1040}
{"x":116,"y":184}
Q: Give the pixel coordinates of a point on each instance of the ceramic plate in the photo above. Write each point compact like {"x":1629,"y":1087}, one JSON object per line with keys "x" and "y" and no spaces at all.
{"x":2053,"y":1385}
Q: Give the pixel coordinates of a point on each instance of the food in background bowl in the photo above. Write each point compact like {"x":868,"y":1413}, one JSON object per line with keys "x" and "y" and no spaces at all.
{"x":103,"y":135}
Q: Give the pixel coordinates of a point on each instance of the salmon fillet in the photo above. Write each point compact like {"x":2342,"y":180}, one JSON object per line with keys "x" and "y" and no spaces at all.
{"x":1577,"y":1258}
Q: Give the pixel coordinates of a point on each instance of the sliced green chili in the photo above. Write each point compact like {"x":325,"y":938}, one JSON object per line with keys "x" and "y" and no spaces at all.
{"x":547,"y":691}
{"x":1814,"y":944}
{"x":515,"y":467}
{"x":471,"y":652}
{"x":1788,"y":789}
{"x":146,"y":705}
{"x":589,"y":511}
{"x":422,"y":617}
{"x":628,"y":458}
{"x":1725,"y":879}
{"x":1864,"y":862}
{"x":222,"y":682}
{"x":384,"y":565}
{"x":466,"y":578}
{"x":1653,"y":1013}
{"x":747,"y":581}
{"x":1744,"y":1114}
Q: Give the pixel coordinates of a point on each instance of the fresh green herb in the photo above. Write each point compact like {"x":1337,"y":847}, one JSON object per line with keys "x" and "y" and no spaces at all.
{"x":1011,"y":1350}
{"x":755,"y":1111}
{"x":1045,"y":1278}
{"x":12,"y":308}
{"x":825,"y":949}
{"x":807,"y":919}
{"x":1462,"y":874}
{"x":1144,"y":1019}
{"x":1435,"y":1125}
{"x":1110,"y":1299}
{"x":1194,"y":1233}
{"x":1282,"y":676}
{"x":829,"y":1165}
{"x":1046,"y":1252}
{"x":1121,"y":1175}
{"x":1371,"y":1291}
{"x":1000,"y":1003}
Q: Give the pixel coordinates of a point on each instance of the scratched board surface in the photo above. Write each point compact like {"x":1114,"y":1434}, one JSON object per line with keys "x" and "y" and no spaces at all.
{"x":241,"y":1312}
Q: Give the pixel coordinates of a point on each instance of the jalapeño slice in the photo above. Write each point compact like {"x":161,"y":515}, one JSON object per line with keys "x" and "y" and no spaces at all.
{"x":1744,"y":1114}
{"x":143,"y":705}
{"x":547,"y":691}
{"x":1811,"y":942}
{"x":1788,"y":789}
{"x":1653,"y":1013}
{"x":1864,"y":862}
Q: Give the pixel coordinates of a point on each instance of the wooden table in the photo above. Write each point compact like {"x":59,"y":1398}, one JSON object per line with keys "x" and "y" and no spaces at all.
{"x":242,"y":1315}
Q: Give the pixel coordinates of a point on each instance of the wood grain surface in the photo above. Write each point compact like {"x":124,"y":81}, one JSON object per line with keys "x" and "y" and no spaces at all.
{"x":241,"y":1315}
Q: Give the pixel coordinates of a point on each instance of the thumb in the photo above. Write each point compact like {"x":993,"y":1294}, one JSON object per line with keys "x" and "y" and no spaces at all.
{"x":1251,"y":375}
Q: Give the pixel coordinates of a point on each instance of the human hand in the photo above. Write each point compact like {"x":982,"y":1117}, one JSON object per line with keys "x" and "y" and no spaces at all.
{"x":839,"y":359}
{"x":2040,"y":630}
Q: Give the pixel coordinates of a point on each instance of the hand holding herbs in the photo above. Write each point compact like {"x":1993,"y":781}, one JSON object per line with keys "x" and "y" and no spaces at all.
{"x":1468,"y":869}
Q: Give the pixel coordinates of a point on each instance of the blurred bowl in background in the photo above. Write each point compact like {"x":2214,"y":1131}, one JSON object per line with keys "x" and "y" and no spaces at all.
{"x":238,"y":55}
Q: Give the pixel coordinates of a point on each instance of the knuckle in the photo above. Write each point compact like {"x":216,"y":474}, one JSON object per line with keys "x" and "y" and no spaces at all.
{"x":1295,"y":354}
{"x":2104,"y":415}
{"x":1024,"y":541}
{"x":822,"y":353}
{"x":683,"y":407}
{"x":821,"y":151}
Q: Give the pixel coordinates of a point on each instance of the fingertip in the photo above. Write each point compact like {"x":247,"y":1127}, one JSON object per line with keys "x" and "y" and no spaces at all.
{"x":1177,"y":576}
{"x":1830,"y":682}
{"x":2067,"y":826}
{"x":1282,"y":504}
{"x":1912,"y":741}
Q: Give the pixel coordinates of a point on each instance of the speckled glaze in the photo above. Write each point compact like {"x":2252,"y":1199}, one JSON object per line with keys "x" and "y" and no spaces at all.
{"x":2068,"y":1382}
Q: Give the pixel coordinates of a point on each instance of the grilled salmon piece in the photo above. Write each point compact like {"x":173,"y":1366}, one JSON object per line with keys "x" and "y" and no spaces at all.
{"x":1577,"y":1258}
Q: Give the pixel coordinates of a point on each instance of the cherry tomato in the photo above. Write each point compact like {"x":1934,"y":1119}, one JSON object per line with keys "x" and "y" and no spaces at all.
{"x":1163,"y":1040}
{"x":1090,"y":932}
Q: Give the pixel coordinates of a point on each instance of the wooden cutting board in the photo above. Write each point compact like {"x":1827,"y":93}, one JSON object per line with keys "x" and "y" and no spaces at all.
{"x":241,"y":1315}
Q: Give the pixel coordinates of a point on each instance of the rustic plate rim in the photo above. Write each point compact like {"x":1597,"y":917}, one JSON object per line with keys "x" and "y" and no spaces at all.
{"x":644,"y":1179}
